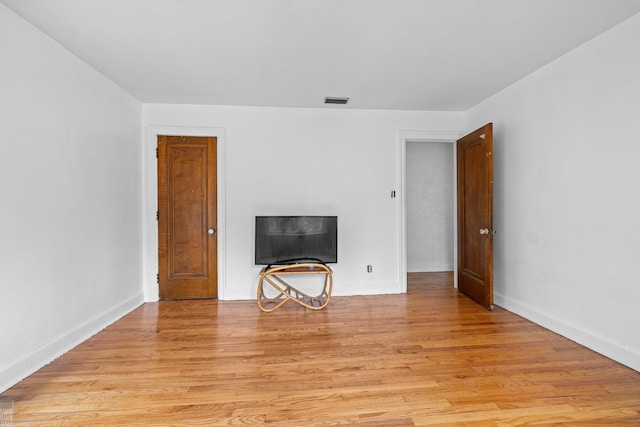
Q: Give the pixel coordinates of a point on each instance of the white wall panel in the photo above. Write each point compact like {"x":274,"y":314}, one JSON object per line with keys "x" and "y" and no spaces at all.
{"x":566,"y":193}
{"x":282,"y":161}
{"x":70,"y":200}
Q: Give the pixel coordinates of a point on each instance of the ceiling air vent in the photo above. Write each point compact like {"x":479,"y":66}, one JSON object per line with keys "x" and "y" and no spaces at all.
{"x":335,"y":100}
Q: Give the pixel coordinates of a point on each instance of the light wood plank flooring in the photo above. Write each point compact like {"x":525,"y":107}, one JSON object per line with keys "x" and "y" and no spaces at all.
{"x":430,"y":357}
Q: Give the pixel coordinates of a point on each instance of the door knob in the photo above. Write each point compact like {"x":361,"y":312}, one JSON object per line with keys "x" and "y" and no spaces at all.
{"x":211,"y":231}
{"x":484,"y":231}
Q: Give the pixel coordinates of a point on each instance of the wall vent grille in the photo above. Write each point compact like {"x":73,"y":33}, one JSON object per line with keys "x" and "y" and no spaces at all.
{"x":335,"y":100}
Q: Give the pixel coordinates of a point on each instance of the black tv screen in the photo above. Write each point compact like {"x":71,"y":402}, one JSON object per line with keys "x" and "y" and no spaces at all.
{"x":293,"y":239}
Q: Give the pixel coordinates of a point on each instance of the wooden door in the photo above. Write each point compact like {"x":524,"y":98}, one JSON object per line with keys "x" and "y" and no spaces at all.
{"x":187,"y":217}
{"x":475,"y":215}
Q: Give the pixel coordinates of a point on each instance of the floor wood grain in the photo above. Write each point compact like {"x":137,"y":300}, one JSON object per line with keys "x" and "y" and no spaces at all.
{"x":430,"y":357}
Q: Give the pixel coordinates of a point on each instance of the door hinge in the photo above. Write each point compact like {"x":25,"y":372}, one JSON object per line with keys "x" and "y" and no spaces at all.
{"x":156,"y":152}
{"x":158,"y":278}
{"x":157,"y":215}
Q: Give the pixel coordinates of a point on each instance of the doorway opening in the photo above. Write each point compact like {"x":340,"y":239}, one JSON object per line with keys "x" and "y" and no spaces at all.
{"x":440,"y":145}
{"x":430,"y":199}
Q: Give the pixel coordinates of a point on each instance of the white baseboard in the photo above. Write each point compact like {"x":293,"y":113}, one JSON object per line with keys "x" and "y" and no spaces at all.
{"x":365,"y":288}
{"x":48,"y":353}
{"x":615,"y":351}
{"x":429,"y":268}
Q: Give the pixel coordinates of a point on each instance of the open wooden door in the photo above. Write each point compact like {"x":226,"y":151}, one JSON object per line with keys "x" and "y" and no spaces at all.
{"x":475,"y":215}
{"x":187,"y":217}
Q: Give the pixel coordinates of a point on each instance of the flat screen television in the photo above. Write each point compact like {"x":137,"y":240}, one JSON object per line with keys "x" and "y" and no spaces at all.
{"x":282,"y":240}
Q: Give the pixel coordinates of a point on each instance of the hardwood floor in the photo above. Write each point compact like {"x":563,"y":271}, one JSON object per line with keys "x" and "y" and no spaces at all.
{"x":431,"y":357}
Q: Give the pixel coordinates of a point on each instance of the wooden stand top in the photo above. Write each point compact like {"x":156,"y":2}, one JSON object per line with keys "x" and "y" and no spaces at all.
{"x":305,"y":268}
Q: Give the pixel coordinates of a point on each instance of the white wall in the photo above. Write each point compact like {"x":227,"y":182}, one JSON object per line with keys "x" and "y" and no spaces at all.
{"x":70,"y":200}
{"x":429,"y":206}
{"x":567,"y":198}
{"x":302,"y":161}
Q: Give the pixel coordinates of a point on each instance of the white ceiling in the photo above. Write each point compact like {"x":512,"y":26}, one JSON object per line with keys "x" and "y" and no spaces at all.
{"x":444,"y":55}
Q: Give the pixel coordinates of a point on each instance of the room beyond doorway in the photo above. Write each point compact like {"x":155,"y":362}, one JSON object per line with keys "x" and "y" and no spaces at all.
{"x":430,"y":195}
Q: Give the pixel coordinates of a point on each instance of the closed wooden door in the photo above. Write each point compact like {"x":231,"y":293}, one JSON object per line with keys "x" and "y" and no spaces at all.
{"x":187,"y":217}
{"x":475,"y":215}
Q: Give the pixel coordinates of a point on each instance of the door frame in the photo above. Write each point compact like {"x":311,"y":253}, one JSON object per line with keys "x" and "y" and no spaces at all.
{"x":150,"y":203}
{"x":425,"y":137}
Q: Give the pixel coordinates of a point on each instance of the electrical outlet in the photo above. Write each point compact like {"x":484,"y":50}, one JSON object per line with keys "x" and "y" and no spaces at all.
{"x":369,"y":269}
